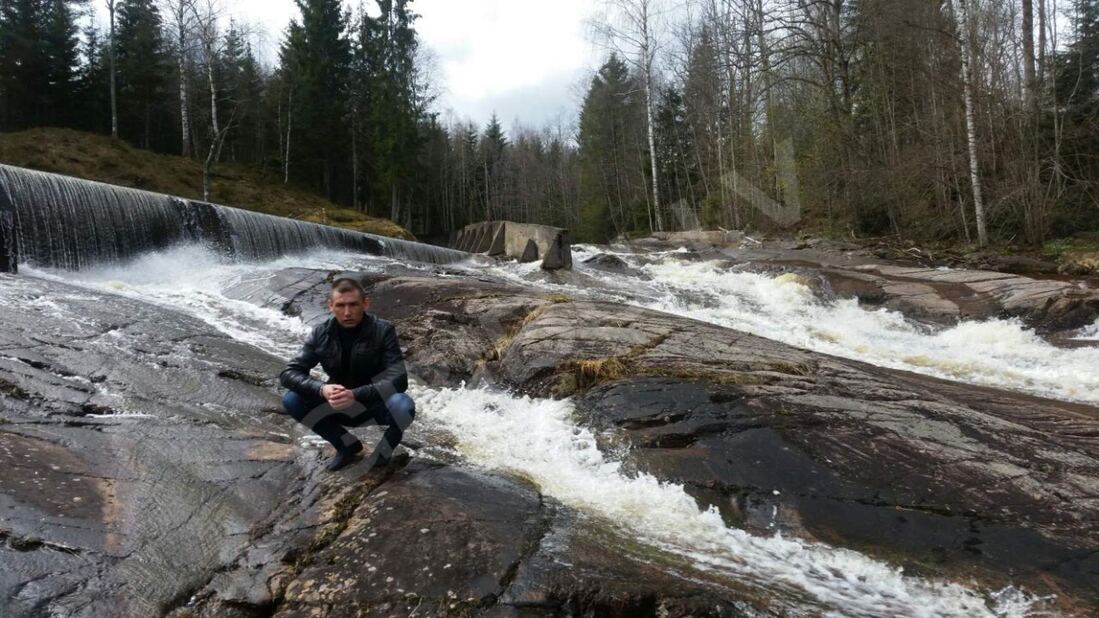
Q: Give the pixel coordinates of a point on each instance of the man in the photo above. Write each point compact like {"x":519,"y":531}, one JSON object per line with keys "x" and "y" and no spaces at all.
{"x":367,"y":378}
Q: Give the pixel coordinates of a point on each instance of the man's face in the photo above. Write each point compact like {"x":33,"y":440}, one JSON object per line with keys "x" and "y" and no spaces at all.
{"x":348,"y":307}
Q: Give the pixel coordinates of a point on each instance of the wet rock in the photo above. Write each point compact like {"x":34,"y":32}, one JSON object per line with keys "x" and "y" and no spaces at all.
{"x":135,"y":467}
{"x":434,"y":539}
{"x":940,"y":475}
{"x":613,"y":264}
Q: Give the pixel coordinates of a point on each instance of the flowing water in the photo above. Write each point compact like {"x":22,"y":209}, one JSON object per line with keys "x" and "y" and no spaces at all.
{"x":58,"y":221}
{"x":1001,"y":353}
{"x":541,"y":440}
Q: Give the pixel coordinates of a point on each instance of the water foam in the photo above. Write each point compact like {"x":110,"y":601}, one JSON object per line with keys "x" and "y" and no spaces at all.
{"x":1002,"y":353}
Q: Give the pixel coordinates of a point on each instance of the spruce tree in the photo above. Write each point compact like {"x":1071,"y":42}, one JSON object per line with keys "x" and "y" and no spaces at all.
{"x":59,"y":58}
{"x":22,"y":63}
{"x":142,"y":69}
{"x":319,"y":55}
{"x":92,"y":84}
{"x":612,"y":179}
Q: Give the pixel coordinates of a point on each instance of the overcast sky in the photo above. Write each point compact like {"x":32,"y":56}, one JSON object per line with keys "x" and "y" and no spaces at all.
{"x":522,"y":59}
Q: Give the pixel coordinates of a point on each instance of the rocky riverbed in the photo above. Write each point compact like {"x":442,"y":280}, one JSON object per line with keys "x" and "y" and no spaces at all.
{"x":575,"y":454}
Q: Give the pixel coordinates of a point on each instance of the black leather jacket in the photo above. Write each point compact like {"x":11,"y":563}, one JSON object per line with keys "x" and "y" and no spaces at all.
{"x":377,"y":365}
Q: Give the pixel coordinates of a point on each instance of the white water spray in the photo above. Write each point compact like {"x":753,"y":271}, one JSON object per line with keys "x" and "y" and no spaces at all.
{"x":999,"y":353}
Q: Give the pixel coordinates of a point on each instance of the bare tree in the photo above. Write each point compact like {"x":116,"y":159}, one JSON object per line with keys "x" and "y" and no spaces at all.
{"x":970,"y":125}
{"x":207,"y":17}
{"x":181,"y":14}
{"x":214,"y":153}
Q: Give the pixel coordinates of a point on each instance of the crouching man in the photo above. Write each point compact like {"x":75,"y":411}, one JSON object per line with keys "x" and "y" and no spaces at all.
{"x":367,"y":378}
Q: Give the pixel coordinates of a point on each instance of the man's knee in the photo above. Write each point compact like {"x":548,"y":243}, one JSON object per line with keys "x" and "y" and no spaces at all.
{"x":295,"y":405}
{"x":402,"y":408}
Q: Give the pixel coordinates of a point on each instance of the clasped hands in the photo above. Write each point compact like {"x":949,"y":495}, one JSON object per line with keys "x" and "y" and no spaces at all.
{"x":338,"y":397}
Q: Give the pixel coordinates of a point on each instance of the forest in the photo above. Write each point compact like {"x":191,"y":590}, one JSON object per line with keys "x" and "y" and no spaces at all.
{"x":967,"y":121}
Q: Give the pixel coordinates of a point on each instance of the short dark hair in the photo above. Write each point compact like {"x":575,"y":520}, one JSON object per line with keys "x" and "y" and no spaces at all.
{"x":344,"y":285}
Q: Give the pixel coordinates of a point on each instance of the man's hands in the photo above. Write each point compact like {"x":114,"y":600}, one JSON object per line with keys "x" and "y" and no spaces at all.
{"x":338,"y":397}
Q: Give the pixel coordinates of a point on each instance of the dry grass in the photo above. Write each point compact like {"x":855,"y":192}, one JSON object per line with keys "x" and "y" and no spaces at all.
{"x":97,"y":157}
{"x":593,"y":371}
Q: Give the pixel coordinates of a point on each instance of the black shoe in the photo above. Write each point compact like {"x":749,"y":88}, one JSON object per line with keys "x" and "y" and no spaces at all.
{"x":344,"y":457}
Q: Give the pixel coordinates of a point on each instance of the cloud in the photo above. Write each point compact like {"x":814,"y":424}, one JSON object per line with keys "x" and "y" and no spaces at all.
{"x":517,"y":57}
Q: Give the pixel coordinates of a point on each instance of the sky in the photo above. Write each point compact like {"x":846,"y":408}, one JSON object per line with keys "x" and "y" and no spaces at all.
{"x":526,"y":60}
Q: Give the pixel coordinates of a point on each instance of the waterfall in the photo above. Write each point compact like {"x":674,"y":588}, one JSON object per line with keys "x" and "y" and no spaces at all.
{"x":56,"y":221}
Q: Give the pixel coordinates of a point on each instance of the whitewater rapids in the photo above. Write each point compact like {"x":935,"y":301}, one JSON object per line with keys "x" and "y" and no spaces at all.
{"x":540,"y":439}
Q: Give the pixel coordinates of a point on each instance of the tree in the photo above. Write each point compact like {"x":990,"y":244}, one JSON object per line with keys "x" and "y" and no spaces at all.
{"x":181,"y":15}
{"x":59,"y":58}
{"x":319,"y":55}
{"x":970,"y":126}
{"x":91,"y":88}
{"x":632,"y":28}
{"x":141,"y":66}
{"x":492,"y":145}
{"x":612,"y":190}
{"x":112,"y":55}
{"x":23,"y":77}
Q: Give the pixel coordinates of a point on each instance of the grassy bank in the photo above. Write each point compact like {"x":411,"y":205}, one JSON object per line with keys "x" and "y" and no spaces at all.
{"x":97,"y":157}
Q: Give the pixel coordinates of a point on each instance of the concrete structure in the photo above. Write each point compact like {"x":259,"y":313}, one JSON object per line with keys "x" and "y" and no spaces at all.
{"x":525,"y":242}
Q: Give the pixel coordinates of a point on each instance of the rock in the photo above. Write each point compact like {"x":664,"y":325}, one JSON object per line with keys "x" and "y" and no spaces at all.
{"x":125,"y":491}
{"x":396,"y":556}
{"x":952,"y":477}
{"x":1022,"y":265}
{"x":613,"y":264}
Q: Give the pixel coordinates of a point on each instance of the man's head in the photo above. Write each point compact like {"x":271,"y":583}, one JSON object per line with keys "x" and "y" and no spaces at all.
{"x":348,"y":302}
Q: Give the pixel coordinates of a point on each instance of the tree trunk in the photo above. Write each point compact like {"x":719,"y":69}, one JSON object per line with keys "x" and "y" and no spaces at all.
{"x":184,"y":116}
{"x":111,"y":61}
{"x":213,"y":89}
{"x":354,"y":162}
{"x":1041,"y":44}
{"x":289,"y":126}
{"x":1029,"y":78}
{"x":646,"y":49}
{"x":970,"y":123}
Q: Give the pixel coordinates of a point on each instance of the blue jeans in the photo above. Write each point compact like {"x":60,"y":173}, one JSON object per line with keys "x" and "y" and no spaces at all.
{"x":314,"y":412}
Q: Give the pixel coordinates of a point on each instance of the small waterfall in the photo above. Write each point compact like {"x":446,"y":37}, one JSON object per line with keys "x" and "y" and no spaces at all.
{"x":56,"y":221}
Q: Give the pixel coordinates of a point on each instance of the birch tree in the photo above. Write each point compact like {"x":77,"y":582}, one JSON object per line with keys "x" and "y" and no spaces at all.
{"x":966,"y":52}
{"x":181,"y":16}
